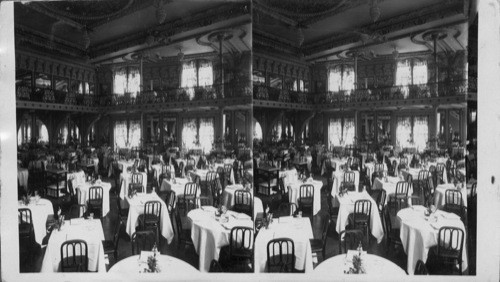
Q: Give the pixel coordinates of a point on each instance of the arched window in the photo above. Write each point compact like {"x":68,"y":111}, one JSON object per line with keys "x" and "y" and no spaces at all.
{"x":412,"y":132}
{"x":341,"y":131}
{"x":198,"y":133}
{"x":257,"y":131}
{"x":127,"y":80}
{"x":127,"y":135}
{"x":411,"y":72}
{"x":196,"y":73}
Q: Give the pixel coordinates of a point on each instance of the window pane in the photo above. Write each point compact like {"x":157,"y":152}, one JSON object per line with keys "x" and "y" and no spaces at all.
{"x":206,"y":134}
{"x":43,"y":81}
{"x":335,"y":132}
{"x":134,"y":81}
{"x":188,"y":78}
{"x":420,"y":72}
{"x":189,"y":133}
{"x":421,"y":133}
{"x":349,"y":131}
{"x":205,"y":74}
{"x":61,"y":84}
{"x":120,"y":134}
{"x":134,"y":134}
{"x":403,"y":132}
{"x":120,"y":81}
{"x":335,"y":79}
{"x":348,"y":78}
{"x":403,"y":73}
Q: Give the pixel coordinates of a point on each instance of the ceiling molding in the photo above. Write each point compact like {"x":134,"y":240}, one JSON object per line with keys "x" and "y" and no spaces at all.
{"x":384,"y":27}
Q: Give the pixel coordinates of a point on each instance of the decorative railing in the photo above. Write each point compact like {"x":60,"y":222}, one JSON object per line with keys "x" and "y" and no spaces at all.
{"x":430,"y":90}
{"x":26,"y":93}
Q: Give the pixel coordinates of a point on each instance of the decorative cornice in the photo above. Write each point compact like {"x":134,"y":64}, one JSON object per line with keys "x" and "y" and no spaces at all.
{"x":384,"y":27}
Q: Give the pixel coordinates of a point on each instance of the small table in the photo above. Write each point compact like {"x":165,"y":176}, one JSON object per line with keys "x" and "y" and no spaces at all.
{"x":40,"y":209}
{"x":294,"y":193}
{"x":209,"y":235}
{"x":418,"y":233}
{"x":389,"y":186}
{"x":137,"y":208}
{"x":338,"y":177}
{"x":373,"y":264}
{"x":126,"y":179}
{"x":83,"y":190}
{"x":88,"y":230}
{"x":440,"y":195}
{"x":136,"y":264}
{"x":297,"y":229}
{"x":346,"y":207}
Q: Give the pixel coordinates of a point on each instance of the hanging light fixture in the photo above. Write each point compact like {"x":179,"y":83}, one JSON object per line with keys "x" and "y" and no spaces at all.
{"x":180,"y":55}
{"x":374,"y":10}
{"x":161,"y":11}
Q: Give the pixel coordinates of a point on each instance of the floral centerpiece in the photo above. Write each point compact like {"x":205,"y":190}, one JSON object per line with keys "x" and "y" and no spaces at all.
{"x":152,"y":262}
{"x":357,"y":263}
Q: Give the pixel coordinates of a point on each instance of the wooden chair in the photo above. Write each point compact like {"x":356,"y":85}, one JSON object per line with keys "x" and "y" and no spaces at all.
{"x":280,"y":255}
{"x":243,"y":202}
{"x":454,"y":202}
{"x":398,"y":200}
{"x":136,"y":183}
{"x":94,"y":203}
{"x":286,"y":209}
{"x":74,"y":256}
{"x":111,"y":246}
{"x":440,"y":171}
{"x":448,"y":251}
{"x":151,"y":218}
{"x":183,"y":235}
{"x":349,"y":240}
{"x":239,"y":253}
{"x":360,"y":218}
{"x":170,"y":201}
{"x":319,"y":245}
{"x":306,"y":198}
{"x":349,"y":181}
{"x":391,"y":234}
{"x":143,"y":240}
{"x":189,"y":198}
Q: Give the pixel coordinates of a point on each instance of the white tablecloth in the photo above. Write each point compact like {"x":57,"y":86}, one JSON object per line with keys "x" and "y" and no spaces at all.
{"x":294,"y":193}
{"x":88,"y":230}
{"x":389,"y":186}
{"x":166,"y":264}
{"x":297,"y":229}
{"x":39,"y":212}
{"x":126,"y":178}
{"x":137,"y":208}
{"x":231,"y":177}
{"x":258,"y":207}
{"x":122,"y":164}
{"x":289,"y":176}
{"x":338,"y":177}
{"x":418,"y":235}
{"x":370,"y":168}
{"x":22,"y":176}
{"x":228,"y":195}
{"x":335,"y":162}
{"x":346,"y":207}
{"x":209,"y":235}
{"x":83,"y":196}
{"x":374,"y":266}
{"x":440,"y":195}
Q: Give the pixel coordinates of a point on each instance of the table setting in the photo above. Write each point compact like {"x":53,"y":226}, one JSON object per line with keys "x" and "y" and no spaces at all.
{"x":40,"y":210}
{"x":356,"y":262}
{"x":143,"y":264}
{"x":419,"y":232}
{"x":210,"y":230}
{"x":440,"y":193}
{"x":83,"y":193}
{"x":294,"y":191}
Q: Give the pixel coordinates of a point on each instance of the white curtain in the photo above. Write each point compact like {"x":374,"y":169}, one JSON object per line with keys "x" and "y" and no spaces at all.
{"x":120,"y":81}
{"x":43,"y":133}
{"x":403,"y":75}
{"x":403,"y":131}
{"x":134,"y":133}
{"x":134,"y":81}
{"x":189,"y":78}
{"x":349,"y":131}
{"x":419,"y":72}
{"x":278,"y":130}
{"x":335,"y":131}
{"x":120,"y":134}
{"x":335,"y":79}
{"x":205,"y":74}
{"x":257,"y":131}
{"x":189,"y":133}
{"x":206,"y":134}
{"x":301,"y":85}
{"x":421,"y":132}
{"x":348,"y":78}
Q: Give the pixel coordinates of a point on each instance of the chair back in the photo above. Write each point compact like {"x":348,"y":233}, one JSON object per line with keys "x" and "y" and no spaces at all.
{"x":379,"y":167}
{"x":362,"y":207}
{"x":191,"y":189}
{"x":450,"y":240}
{"x":423,"y":175}
{"x":280,"y":255}
{"x":136,"y":178}
{"x":350,"y":239}
{"x":306,"y":191}
{"x":96,"y":194}
{"x":287,"y":209}
{"x":381,"y":200}
{"x":209,"y":178}
{"x":170,"y":200}
{"x":142,"y":241}
{"x":242,"y":197}
{"x":473,"y":189}
{"x":191,"y":162}
{"x":453,"y":197}
{"x":152,"y":210}
{"x":349,"y":177}
{"x":402,"y":188}
{"x":74,"y":256}
{"x":241,"y":241}
{"x":420,"y":268}
{"x":403,"y":161}
{"x":24,"y":217}
{"x":227,"y":169}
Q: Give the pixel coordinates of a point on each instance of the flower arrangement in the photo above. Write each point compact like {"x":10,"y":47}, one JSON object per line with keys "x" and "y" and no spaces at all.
{"x":357,"y":263}
{"x":152,"y":262}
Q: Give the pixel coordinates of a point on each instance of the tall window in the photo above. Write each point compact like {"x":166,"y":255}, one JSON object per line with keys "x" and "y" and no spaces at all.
{"x":341,"y":131}
{"x":196,"y":73}
{"x":127,"y":80}
{"x":127,"y":136}
{"x":412,"y":132}
{"x":340,"y":78}
{"x":411,"y":72}
{"x":198,"y":133}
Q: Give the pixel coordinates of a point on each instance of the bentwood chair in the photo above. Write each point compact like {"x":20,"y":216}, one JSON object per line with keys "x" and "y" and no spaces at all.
{"x":74,"y":256}
{"x":281,"y":255}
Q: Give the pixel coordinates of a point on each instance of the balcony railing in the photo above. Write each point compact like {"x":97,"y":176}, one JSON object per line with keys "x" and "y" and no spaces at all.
{"x":26,"y":93}
{"x":429,"y":90}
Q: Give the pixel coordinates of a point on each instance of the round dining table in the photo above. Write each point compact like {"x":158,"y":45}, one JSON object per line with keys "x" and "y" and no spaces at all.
{"x":373,"y":265}
{"x":166,"y":264}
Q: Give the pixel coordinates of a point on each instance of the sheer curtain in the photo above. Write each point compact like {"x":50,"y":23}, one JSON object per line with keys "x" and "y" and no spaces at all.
{"x":189,"y":78}
{"x":419,"y":72}
{"x":134,"y":133}
{"x":206,"y":134}
{"x":348,"y":78}
{"x":335,"y":131}
{"x":421,"y":132}
{"x":189,"y":133}
{"x":278,"y":130}
{"x":403,"y":131}
{"x":349,"y":131}
{"x":205,"y":74}
{"x":120,"y":134}
{"x":335,"y":79}
{"x":43,"y":133}
{"x":403,"y":75}
{"x":134,"y":81}
{"x":120,"y":81}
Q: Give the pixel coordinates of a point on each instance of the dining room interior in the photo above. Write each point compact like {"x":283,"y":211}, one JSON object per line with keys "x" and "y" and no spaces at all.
{"x":188,"y":137}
